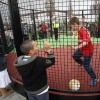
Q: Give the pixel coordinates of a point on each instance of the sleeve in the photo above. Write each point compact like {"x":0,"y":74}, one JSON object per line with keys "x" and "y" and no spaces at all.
{"x":85,"y":36}
{"x":44,"y":63}
{"x":2,"y":50}
{"x":2,"y":57}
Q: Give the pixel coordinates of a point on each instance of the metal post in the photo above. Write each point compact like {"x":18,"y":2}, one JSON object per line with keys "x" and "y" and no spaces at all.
{"x":66,"y":24}
{"x":51,"y":21}
{"x":82,"y":13}
{"x":99,"y":24}
{"x":16,"y":25}
{"x":35,"y":33}
{"x":3,"y":37}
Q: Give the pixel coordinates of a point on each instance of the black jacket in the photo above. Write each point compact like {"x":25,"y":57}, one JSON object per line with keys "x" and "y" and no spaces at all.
{"x":33,"y":72}
{"x":2,"y":59}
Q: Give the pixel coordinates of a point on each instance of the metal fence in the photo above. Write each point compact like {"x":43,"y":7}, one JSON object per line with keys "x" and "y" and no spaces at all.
{"x":26,"y":24}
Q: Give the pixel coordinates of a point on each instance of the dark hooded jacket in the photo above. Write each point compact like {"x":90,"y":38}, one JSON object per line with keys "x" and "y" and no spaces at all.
{"x":2,"y":59}
{"x":33,"y":72}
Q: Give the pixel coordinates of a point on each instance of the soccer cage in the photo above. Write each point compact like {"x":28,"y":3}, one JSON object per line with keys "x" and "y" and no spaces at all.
{"x":22,"y":19}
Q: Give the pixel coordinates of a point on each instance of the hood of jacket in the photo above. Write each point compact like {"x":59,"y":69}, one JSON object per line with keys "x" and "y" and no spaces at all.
{"x":25,"y":67}
{"x":20,"y":62}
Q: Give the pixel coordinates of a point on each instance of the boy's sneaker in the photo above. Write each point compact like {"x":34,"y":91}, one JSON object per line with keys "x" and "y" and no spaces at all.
{"x":93,"y":81}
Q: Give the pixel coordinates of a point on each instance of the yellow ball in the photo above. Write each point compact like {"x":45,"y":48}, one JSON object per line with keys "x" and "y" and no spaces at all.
{"x":74,"y":85}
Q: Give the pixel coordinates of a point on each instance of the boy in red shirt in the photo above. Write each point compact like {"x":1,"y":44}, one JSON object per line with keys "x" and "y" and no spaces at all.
{"x":84,"y":49}
{"x":44,"y":29}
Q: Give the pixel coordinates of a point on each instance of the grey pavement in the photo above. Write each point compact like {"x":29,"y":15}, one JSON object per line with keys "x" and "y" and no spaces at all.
{"x":13,"y":96}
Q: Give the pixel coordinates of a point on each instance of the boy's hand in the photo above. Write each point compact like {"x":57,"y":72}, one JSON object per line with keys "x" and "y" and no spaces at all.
{"x":46,"y":46}
{"x":74,"y":47}
{"x":73,"y":36}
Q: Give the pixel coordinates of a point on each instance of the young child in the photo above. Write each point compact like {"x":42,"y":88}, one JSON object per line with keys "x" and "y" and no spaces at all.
{"x":4,"y":78}
{"x":44,"y":29}
{"x":32,"y":68}
{"x":84,"y":49}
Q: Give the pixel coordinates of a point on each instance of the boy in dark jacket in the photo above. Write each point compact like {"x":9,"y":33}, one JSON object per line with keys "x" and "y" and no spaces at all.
{"x":32,"y":68}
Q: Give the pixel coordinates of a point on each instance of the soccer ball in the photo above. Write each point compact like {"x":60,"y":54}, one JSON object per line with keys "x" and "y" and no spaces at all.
{"x":74,"y":85}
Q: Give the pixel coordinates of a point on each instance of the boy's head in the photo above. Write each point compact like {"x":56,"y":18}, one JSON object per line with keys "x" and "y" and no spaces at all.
{"x":74,"y":23}
{"x":29,"y":47}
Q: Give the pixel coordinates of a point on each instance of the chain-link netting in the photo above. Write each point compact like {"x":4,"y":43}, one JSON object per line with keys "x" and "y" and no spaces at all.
{"x":47,"y":20}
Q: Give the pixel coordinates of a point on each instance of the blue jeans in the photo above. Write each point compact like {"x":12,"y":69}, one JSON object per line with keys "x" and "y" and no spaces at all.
{"x":44,"y":96}
{"x":86,"y":62}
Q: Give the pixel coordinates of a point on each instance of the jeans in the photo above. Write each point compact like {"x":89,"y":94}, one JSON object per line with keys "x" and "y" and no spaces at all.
{"x":85,"y":62}
{"x":44,"y":96}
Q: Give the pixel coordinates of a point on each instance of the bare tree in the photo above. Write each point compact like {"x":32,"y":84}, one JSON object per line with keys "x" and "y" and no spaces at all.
{"x":96,"y":6}
{"x":50,"y":7}
{"x":70,"y":10}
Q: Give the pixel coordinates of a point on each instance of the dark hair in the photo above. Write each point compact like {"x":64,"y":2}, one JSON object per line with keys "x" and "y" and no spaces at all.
{"x":74,"y":20}
{"x":26,"y":46}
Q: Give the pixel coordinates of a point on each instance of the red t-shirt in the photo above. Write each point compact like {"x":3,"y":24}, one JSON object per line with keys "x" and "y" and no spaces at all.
{"x":83,"y":36}
{"x":44,"y":27}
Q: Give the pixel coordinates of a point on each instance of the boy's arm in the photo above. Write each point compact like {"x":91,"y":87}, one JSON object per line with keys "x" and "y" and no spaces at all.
{"x":80,"y":46}
{"x":44,"y":63}
{"x":86,"y":38}
{"x":51,"y":56}
{"x":73,"y":36}
{"x":50,"y":60}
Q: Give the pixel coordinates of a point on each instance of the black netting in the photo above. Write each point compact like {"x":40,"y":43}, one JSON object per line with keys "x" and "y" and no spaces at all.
{"x":33,"y":13}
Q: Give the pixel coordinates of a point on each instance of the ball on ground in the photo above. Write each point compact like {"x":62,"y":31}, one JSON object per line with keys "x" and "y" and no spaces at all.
{"x":74,"y":84}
